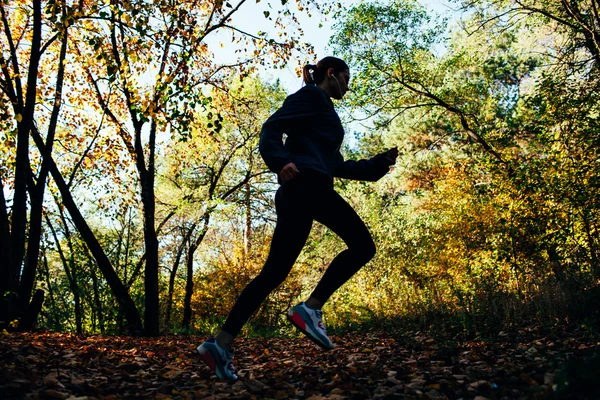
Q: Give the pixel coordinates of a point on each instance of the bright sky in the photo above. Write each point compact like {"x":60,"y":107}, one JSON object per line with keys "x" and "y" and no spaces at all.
{"x":250,"y":18}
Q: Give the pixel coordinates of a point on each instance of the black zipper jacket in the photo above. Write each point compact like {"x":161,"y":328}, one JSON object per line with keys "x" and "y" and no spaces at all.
{"x":314,"y":137}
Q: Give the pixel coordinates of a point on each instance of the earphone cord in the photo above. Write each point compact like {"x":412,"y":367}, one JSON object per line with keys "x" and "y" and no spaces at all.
{"x":338,"y":83}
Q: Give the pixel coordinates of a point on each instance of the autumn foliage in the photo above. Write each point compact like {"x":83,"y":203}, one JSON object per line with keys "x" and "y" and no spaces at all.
{"x":134,"y":200}
{"x":135,"y":207}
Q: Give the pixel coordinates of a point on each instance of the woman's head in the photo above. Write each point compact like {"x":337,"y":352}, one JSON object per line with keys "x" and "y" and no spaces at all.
{"x":331,"y":74}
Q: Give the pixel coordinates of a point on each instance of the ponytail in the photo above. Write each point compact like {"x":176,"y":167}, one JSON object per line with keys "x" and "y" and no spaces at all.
{"x":308,"y":74}
{"x":315,"y":74}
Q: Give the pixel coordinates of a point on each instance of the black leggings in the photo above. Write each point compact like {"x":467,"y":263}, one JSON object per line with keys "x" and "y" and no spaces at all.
{"x":308,"y":197}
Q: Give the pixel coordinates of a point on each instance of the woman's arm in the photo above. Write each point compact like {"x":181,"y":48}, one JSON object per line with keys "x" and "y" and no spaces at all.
{"x":297,"y":110}
{"x":365,"y":170}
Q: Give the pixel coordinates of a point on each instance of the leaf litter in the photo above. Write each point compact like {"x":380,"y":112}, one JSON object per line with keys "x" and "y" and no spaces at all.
{"x":520,"y":364}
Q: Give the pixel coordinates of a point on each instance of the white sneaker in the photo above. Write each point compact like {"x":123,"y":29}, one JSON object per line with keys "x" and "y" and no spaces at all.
{"x":218,"y":359}
{"x":310,"y":322}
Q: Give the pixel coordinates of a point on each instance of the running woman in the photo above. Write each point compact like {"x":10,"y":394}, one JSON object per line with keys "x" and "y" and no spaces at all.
{"x":305,"y":165}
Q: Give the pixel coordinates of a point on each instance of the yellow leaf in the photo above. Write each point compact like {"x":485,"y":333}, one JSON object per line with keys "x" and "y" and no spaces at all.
{"x":19,"y":117}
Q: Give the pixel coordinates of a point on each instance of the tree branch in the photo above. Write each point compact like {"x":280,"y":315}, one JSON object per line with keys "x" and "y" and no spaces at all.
{"x":16,"y":98}
{"x":121,"y":130}
{"x":85,"y":153}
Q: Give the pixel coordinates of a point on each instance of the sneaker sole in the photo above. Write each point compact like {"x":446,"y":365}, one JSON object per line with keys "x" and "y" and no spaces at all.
{"x":209,"y":359}
{"x":297,"y":320}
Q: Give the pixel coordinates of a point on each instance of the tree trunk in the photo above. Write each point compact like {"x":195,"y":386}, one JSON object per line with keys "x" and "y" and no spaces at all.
{"x":70,"y":269}
{"x":4,"y":239}
{"x":134,"y":322}
{"x":189,"y":285}
{"x":53,"y":315}
{"x":152,"y":309}
{"x":591,"y":244}
{"x":6,"y":298}
{"x":24,"y":108}
{"x":37,"y":190}
{"x":76,"y":299}
{"x":72,"y":274}
{"x":557,"y":267}
{"x":172,"y":283}
{"x":27,"y":279}
{"x":248,"y":225}
{"x":97,"y":302}
{"x":189,"y":288}
{"x":30,"y":316}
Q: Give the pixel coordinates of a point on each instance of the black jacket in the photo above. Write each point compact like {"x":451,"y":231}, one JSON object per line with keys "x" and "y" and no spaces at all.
{"x":314,"y":137}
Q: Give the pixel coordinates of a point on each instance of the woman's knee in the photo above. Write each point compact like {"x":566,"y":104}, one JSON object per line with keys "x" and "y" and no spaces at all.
{"x":364,"y":251}
{"x":370,"y":249}
{"x":271,"y":278}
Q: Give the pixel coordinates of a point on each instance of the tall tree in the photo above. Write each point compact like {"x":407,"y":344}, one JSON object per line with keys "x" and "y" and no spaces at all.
{"x":142,"y":65}
{"x":578,"y":21}
{"x":214,"y":166}
{"x":19,"y":22}
{"x":465,"y":231}
{"x":24,"y":44}
{"x":169,"y":37}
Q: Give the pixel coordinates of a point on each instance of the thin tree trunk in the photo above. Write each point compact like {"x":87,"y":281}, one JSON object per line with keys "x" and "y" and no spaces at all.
{"x":25,"y":110}
{"x":53,"y":314}
{"x":189,"y":288}
{"x":4,"y":238}
{"x":189,"y":285}
{"x":127,"y":245}
{"x":37,"y":191}
{"x":151,"y":311}
{"x":98,"y":303}
{"x":146,"y":175}
{"x":172,"y":280}
{"x":70,"y":270}
{"x":134,"y":322}
{"x":248,"y":216}
{"x":557,"y":267}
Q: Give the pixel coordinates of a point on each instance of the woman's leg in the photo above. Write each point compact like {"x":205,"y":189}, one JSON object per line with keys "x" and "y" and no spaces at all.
{"x":291,"y":231}
{"x":333,"y":211}
{"x":336,"y":214}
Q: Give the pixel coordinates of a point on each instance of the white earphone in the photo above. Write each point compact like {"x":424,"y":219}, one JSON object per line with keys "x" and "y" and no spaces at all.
{"x":338,"y":83}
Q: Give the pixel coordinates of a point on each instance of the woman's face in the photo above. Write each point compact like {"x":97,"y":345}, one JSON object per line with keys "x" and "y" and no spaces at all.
{"x":339,"y":84}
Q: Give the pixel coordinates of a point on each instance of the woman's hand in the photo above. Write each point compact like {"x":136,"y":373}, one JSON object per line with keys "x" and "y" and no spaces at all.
{"x":391,"y":155}
{"x":288,"y":172}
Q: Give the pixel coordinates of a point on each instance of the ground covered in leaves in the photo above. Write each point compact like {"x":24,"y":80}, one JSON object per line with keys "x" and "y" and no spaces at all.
{"x":512,"y":364}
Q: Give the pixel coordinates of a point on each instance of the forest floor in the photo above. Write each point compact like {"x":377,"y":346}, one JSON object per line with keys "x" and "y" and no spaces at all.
{"x":529,"y":363}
